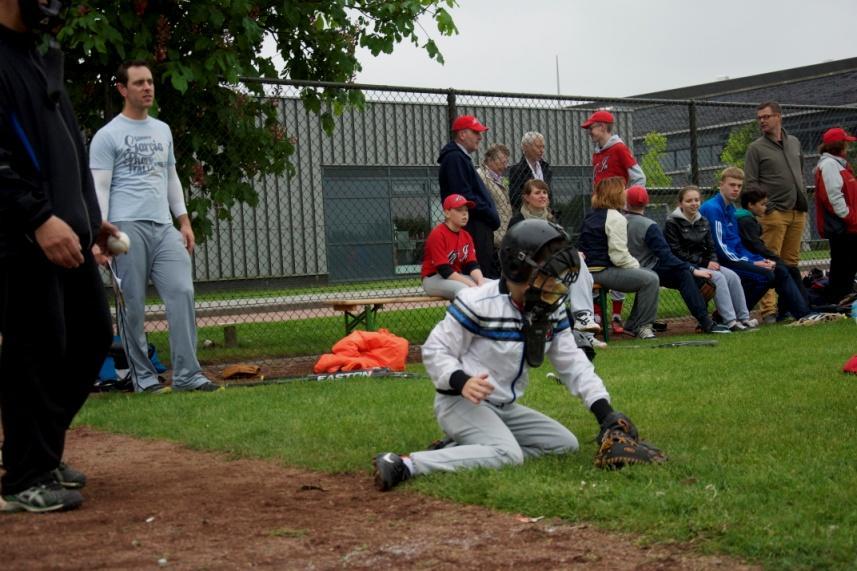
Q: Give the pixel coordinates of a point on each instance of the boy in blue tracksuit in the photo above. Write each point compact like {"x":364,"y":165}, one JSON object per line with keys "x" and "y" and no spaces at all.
{"x":757,"y":274}
{"x":647,"y":244}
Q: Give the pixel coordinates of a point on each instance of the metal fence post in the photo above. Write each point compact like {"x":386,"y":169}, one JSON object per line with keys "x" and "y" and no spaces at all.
{"x":694,"y":144}
{"x":451,"y":111}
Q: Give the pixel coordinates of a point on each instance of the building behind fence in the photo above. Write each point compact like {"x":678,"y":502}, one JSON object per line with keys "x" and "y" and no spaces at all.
{"x":352,"y":221}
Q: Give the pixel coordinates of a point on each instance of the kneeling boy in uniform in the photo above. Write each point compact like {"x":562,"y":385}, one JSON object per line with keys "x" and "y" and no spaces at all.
{"x":477,"y":358}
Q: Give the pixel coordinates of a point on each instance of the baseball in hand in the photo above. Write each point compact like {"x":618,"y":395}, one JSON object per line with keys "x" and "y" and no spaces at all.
{"x":118,"y":244}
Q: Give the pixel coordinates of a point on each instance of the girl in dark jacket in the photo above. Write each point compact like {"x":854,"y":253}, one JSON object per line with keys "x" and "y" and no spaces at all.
{"x":689,"y":236}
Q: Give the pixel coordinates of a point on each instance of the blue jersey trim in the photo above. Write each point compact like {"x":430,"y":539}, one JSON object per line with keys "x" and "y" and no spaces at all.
{"x":16,"y":125}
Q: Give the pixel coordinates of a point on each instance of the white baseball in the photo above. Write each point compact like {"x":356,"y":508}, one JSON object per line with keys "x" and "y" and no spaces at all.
{"x":118,"y":244}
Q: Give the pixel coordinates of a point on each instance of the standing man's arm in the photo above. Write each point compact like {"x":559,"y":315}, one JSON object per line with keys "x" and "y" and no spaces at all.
{"x":175,"y":195}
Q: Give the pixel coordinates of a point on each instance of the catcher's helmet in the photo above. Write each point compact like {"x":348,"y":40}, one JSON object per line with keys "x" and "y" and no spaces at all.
{"x":521,"y":245}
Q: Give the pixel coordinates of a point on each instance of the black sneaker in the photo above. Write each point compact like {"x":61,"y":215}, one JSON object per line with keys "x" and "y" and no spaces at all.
{"x":390,"y":471}
{"x":209,"y":387}
{"x":158,"y":389}
{"x":49,"y":496}
{"x":68,"y":477}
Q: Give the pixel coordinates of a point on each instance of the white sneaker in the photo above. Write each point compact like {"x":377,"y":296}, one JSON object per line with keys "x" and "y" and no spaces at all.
{"x":583,"y":321}
{"x":736,"y":326}
{"x":646,"y":332}
{"x":750,"y":323}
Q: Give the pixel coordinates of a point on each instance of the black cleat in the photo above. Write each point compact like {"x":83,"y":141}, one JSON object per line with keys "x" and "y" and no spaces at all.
{"x":390,"y":471}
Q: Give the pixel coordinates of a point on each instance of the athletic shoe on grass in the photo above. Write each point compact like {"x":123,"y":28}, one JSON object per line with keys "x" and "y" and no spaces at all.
{"x":49,"y":496}
{"x":158,"y":389}
{"x":390,"y":471}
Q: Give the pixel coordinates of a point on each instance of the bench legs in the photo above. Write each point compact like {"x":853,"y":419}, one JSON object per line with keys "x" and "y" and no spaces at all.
{"x":605,"y":313}
{"x":366,"y":317}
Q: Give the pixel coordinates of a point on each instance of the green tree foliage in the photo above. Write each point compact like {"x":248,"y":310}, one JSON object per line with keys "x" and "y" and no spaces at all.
{"x":656,"y":145}
{"x":225,"y":133}
{"x":736,"y":145}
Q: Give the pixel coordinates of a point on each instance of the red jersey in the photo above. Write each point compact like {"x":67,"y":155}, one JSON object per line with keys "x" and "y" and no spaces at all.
{"x":615,"y":160}
{"x":444,"y":247}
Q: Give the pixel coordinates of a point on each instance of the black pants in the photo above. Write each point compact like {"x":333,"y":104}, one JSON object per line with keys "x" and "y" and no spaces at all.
{"x":843,"y":267}
{"x":685,"y":283}
{"x":483,"y":240}
{"x":56,"y":332}
{"x":756,"y":281}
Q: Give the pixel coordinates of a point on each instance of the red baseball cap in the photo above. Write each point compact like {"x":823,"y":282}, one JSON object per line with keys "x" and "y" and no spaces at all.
{"x":600,"y":116}
{"x":457,"y":201}
{"x":468,"y":122}
{"x":835,"y":135}
{"x":636,"y":196}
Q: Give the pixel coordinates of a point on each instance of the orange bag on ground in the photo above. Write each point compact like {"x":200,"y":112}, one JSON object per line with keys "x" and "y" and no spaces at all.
{"x":365,"y":350}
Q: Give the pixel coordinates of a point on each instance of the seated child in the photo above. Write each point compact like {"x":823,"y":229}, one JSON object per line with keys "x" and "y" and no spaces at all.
{"x":449,"y":262}
{"x":758,"y":274}
{"x":475,"y":358}
{"x":689,"y":237}
{"x":646,"y":242}
{"x":754,"y":201}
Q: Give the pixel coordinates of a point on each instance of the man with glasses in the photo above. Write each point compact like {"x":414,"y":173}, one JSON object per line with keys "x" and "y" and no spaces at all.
{"x":774,"y":162}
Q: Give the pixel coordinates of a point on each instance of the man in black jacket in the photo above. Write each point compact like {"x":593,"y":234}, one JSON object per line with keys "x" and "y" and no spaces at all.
{"x":457,"y":175}
{"x":532,"y":165}
{"x":53,"y":312}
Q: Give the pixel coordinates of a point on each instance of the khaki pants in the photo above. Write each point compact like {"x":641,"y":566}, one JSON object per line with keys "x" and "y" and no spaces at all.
{"x":782,"y":231}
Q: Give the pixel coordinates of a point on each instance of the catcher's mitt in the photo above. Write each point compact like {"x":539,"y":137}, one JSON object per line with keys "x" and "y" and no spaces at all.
{"x":619,"y":444}
{"x":707,"y":289}
{"x":242,"y":371}
{"x":618,"y":449}
{"x":618,"y":421}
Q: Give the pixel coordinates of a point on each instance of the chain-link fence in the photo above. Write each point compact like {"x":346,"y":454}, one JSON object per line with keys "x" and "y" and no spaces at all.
{"x":352,"y":220}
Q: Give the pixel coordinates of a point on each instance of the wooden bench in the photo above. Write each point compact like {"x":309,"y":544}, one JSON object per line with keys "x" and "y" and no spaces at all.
{"x":357,"y":311}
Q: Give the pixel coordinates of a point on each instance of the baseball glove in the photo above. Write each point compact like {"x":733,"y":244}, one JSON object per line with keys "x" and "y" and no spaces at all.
{"x":242,"y":371}
{"x":707,"y":289}
{"x":619,"y":444}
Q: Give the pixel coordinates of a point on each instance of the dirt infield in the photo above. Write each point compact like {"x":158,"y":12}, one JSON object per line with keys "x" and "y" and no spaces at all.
{"x":154,"y":504}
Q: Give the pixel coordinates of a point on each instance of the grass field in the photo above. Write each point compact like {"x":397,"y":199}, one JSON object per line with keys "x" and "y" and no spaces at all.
{"x":760,"y":432}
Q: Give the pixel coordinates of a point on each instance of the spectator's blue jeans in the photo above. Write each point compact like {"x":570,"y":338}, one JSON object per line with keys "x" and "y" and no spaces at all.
{"x":756,"y":281}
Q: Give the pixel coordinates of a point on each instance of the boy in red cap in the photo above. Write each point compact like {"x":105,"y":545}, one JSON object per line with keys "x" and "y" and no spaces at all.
{"x":836,"y":211}
{"x":457,"y":175}
{"x":449,"y":262}
{"x":647,"y":243}
{"x":612,"y":156}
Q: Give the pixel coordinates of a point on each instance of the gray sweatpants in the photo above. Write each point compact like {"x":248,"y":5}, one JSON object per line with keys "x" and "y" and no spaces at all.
{"x":580,"y":293}
{"x":644,"y":283}
{"x":442,"y":287}
{"x":157,"y":252}
{"x":729,"y":295}
{"x":488,"y":436}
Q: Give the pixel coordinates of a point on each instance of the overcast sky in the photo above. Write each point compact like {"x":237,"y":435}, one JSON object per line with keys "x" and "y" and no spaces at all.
{"x":620,"y":47}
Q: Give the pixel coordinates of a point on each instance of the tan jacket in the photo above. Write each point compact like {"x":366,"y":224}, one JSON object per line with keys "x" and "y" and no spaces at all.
{"x":500,"y":194}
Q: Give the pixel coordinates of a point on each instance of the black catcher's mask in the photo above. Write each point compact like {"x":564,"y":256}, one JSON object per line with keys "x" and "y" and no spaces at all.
{"x":549,"y":280}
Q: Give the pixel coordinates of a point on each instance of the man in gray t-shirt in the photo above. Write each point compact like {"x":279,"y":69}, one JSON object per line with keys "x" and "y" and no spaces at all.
{"x":133,"y":167}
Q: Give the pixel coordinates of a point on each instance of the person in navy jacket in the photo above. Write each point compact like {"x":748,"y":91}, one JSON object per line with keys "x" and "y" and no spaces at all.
{"x":457,"y":175}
